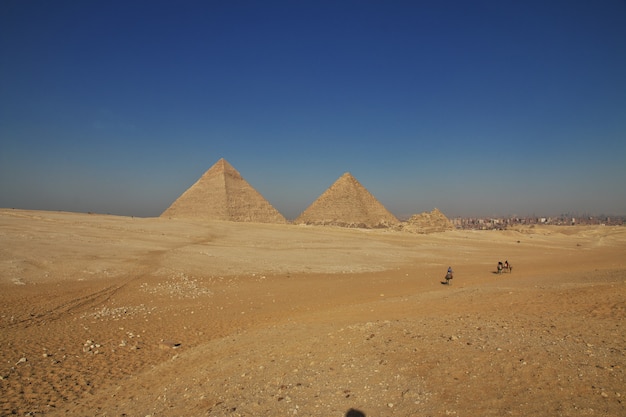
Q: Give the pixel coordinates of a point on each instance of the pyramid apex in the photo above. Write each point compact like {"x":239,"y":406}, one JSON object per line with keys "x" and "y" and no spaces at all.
{"x":222,"y":167}
{"x":222,"y":163}
{"x":346,"y":177}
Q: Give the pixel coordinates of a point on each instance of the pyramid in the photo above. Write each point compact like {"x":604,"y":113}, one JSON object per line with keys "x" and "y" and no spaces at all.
{"x":348,"y":204}
{"x":432,"y":222}
{"x":221,"y":193}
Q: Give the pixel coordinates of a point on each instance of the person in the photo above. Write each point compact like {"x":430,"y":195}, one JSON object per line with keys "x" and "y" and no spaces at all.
{"x":499,"y":267}
{"x":449,"y":275}
{"x":506,"y":265}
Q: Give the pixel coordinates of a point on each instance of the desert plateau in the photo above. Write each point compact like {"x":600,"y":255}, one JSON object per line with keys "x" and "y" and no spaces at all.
{"x":106,"y":315}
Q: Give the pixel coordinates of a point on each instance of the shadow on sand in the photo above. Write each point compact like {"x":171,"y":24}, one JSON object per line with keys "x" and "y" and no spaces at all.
{"x":355,"y":413}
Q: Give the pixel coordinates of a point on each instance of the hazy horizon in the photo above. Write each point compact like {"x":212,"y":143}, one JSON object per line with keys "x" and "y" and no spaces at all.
{"x":479,"y":109}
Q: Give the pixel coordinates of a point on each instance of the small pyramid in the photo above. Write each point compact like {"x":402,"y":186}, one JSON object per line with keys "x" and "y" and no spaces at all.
{"x":432,"y":222}
{"x":348,"y":204}
{"x":221,"y":193}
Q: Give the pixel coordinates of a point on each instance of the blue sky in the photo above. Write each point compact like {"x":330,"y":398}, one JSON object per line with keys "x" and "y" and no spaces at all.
{"x":482,"y":108}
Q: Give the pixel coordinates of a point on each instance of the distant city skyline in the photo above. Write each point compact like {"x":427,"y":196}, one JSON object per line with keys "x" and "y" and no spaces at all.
{"x":479,"y":109}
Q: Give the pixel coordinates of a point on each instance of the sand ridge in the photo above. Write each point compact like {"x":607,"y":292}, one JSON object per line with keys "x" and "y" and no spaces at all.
{"x":107,"y":315}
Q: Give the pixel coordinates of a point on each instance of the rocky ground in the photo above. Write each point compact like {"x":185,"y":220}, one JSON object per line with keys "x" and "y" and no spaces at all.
{"x":113,"y":316}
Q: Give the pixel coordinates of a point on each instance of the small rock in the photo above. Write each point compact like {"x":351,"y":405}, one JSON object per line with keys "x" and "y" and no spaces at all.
{"x":169,"y":344}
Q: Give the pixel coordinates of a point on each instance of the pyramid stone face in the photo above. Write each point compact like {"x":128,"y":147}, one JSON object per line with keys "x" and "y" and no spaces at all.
{"x":432,"y":222}
{"x":221,"y":193}
{"x":348,"y":204}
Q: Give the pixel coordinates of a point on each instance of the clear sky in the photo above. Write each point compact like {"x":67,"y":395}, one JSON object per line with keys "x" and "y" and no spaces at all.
{"x":478,"y":108}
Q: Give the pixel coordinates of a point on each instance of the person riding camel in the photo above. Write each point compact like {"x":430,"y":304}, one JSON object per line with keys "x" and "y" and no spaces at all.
{"x":449,"y":275}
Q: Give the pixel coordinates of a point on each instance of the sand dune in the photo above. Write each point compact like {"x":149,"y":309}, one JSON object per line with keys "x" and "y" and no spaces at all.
{"x":109,"y":316}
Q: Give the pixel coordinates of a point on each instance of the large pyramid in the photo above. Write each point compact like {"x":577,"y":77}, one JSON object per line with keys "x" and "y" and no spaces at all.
{"x":347,"y":203}
{"x":221,"y":193}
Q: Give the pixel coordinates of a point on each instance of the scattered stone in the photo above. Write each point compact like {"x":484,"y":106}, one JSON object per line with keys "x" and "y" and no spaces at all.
{"x":117,"y":313}
{"x":91,"y":347}
{"x":169,"y":344}
{"x":179,"y":285}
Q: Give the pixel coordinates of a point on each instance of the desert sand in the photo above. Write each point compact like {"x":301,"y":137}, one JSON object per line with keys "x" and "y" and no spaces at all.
{"x":117,"y":316}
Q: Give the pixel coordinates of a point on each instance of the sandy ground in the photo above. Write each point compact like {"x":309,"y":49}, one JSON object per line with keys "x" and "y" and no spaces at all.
{"x":115,"y":316}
